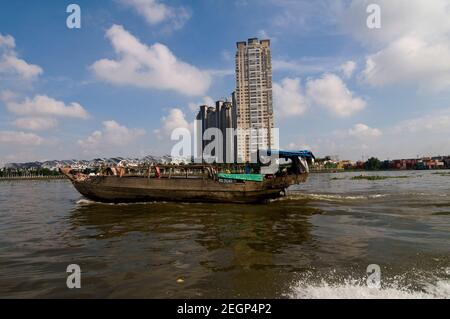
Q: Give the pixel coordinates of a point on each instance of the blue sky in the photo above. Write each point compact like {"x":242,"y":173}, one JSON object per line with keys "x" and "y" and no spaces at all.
{"x":137,"y":68}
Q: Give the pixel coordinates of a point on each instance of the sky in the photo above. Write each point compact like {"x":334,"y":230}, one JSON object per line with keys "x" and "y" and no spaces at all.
{"x":137,"y":69}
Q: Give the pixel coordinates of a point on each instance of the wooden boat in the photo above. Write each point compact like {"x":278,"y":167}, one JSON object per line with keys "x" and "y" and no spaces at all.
{"x":183,"y":183}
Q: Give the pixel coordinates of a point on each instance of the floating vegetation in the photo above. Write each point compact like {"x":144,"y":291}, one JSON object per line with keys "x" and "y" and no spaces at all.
{"x":376,"y":177}
{"x":441,"y":173}
{"x":337,"y":178}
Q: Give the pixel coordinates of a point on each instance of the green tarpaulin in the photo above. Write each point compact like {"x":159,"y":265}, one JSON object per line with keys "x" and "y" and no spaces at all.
{"x":243,"y":177}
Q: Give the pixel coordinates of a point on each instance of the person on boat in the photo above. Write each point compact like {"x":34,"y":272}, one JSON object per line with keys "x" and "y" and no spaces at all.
{"x":248,"y":168}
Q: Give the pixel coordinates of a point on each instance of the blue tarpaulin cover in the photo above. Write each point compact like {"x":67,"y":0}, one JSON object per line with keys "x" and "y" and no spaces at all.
{"x":288,"y":154}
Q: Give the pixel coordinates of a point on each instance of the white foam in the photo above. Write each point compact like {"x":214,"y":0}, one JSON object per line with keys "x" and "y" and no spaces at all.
{"x":332,"y":197}
{"x":85,"y":201}
{"x":354,"y":289}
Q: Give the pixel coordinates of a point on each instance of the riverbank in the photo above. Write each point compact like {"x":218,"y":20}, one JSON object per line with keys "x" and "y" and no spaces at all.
{"x":337,"y":170}
{"x":30,"y":178}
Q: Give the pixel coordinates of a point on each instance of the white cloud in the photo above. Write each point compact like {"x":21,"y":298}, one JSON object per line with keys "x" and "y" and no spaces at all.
{"x":149,"y":67}
{"x":306,"y":65}
{"x":11,"y":64}
{"x":330,"y":92}
{"x":175,"y":119}
{"x":424,"y":135}
{"x":425,"y":19}
{"x":431,"y":123}
{"x":7,"y":95}
{"x":298,"y":146}
{"x":411,"y":47}
{"x":348,"y":68}
{"x":207,"y":100}
{"x":7,"y":41}
{"x":113,"y":135}
{"x":363,"y":131}
{"x":21,"y":138}
{"x":36,"y":123}
{"x":263,"y":34}
{"x":288,"y":98}
{"x":42,"y":105}
{"x":301,"y":16}
{"x":156,"y":12}
{"x":410,"y":59}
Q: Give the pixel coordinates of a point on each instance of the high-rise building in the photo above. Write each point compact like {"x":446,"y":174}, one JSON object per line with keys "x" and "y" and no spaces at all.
{"x":223,"y":118}
{"x":253,"y":97}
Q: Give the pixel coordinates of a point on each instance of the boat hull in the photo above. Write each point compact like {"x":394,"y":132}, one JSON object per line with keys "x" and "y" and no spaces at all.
{"x":115,"y":189}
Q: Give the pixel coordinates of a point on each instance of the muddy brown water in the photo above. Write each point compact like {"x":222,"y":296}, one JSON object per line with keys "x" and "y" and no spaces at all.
{"x":315,"y":243}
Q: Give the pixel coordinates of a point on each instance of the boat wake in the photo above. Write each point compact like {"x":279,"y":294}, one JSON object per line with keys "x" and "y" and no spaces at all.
{"x":432,"y":288}
{"x":86,"y":202}
{"x":327,"y":197}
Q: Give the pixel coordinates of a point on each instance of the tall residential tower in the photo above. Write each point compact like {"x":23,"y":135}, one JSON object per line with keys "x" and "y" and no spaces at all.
{"x":223,"y":118}
{"x":253,"y":97}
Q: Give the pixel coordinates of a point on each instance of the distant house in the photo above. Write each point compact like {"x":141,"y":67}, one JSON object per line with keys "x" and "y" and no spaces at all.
{"x":345,"y":164}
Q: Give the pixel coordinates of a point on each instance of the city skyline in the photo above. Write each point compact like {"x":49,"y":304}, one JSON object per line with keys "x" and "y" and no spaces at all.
{"x":119,"y":85}
{"x":246,"y":123}
{"x":216,"y":125}
{"x":253,"y":97}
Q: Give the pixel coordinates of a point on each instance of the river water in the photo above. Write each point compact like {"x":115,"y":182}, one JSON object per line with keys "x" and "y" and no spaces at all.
{"x":315,"y":243}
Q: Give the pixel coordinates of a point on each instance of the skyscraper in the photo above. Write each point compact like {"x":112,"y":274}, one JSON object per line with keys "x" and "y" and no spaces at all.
{"x":223,"y":118}
{"x":253,"y":97}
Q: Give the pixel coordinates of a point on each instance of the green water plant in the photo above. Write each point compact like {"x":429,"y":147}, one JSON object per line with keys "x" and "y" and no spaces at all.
{"x":375,"y":177}
{"x":441,"y":173}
